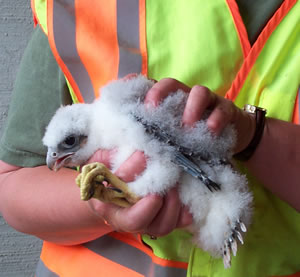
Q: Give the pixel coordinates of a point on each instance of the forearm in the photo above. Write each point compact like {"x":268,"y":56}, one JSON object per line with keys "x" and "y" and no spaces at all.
{"x":47,"y":204}
{"x":276,"y":160}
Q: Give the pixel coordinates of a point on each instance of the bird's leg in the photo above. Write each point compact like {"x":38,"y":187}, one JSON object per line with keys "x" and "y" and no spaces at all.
{"x":91,"y":182}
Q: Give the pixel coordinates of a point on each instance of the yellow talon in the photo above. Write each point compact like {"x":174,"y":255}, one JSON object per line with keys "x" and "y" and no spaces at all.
{"x":91,"y":179}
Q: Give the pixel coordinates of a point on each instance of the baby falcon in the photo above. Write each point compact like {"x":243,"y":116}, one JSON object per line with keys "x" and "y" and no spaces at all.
{"x":216,"y":194}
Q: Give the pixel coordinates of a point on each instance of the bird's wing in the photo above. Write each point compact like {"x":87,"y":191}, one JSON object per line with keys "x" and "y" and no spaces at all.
{"x":182,"y":156}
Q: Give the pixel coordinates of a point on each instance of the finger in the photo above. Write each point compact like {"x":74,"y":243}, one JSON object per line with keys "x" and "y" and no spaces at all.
{"x":221,"y":116}
{"x":200,"y":99}
{"x":136,"y":218}
{"x":162,"y":89}
{"x":130,"y":76}
{"x":167,"y":217}
{"x":132,"y":167}
{"x":185,"y":218}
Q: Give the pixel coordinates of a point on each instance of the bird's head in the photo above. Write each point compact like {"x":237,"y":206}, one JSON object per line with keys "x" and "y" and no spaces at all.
{"x":66,"y":137}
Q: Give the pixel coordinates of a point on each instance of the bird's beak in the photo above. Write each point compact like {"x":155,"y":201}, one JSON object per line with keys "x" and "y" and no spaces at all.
{"x":55,"y":161}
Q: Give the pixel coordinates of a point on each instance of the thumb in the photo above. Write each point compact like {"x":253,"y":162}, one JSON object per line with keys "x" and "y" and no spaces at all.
{"x":136,"y":218}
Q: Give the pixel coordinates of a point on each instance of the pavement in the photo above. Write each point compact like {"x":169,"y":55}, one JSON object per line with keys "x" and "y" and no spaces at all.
{"x":19,"y":253}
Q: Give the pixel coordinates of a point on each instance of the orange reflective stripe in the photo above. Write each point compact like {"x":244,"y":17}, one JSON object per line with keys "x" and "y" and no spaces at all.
{"x":99,"y":53}
{"x":107,"y":41}
{"x":137,"y":243}
{"x":78,"y":261}
{"x":143,"y":40}
{"x":240,"y":27}
{"x":106,"y":256}
{"x":296,"y":114}
{"x":58,"y":19}
{"x":257,"y":47}
{"x":64,"y":31}
{"x":35,"y":19}
{"x":127,"y":250}
{"x":42,"y":270}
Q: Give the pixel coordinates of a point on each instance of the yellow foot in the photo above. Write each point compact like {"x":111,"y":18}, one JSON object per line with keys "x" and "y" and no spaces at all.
{"x":91,"y":182}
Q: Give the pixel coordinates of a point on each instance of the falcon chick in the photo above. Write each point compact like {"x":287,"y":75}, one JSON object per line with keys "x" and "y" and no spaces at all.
{"x":119,"y":120}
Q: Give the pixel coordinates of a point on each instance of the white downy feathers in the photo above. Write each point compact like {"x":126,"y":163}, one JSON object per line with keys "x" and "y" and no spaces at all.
{"x":108,"y":123}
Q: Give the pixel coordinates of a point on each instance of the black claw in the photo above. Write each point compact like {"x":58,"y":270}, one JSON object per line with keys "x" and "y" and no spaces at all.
{"x":91,"y":193}
{"x":115,"y":189}
{"x":211,"y":185}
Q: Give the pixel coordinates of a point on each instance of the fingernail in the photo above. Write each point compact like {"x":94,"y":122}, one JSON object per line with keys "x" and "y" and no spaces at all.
{"x":186,"y":125}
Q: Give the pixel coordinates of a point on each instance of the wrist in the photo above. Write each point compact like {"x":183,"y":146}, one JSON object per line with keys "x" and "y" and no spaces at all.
{"x":257,"y":118}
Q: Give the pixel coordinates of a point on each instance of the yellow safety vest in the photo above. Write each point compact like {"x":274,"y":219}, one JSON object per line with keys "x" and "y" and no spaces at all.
{"x":196,"y":42}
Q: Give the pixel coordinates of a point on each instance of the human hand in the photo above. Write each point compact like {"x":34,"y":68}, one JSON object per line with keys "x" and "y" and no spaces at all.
{"x":153,"y":215}
{"x":223,"y":111}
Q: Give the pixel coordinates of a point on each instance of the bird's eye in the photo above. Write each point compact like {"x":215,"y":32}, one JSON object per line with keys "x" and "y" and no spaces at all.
{"x":70,"y":141}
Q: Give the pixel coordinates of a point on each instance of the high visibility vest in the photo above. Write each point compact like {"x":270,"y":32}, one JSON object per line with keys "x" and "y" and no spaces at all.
{"x":196,"y":42}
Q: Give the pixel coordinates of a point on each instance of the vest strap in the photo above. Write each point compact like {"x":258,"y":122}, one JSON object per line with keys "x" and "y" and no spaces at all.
{"x":243,"y":73}
{"x":116,"y":254}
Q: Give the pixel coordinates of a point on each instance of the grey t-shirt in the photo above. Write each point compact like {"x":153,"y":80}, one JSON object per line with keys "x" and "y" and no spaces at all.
{"x":40,"y":88}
